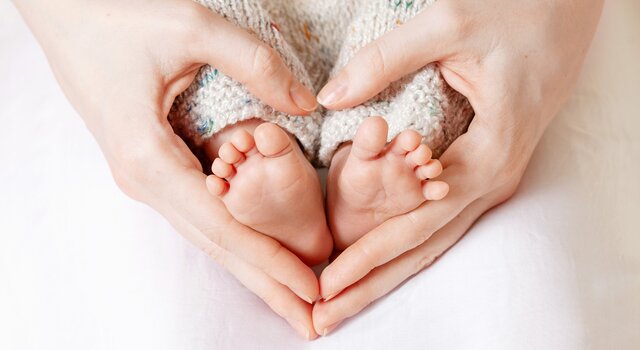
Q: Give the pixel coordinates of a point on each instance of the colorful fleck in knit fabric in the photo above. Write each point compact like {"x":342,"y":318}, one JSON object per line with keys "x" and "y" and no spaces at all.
{"x":316,"y":39}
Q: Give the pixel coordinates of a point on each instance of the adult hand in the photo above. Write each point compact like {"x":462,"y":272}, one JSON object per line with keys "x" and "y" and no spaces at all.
{"x":516,"y":62}
{"x":121,"y":64}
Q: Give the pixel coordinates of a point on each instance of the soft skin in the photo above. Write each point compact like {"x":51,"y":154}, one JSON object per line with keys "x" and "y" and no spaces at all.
{"x":121,"y":64}
{"x":516,"y":62}
{"x":371,"y":181}
{"x":267,"y":183}
{"x":121,"y":68}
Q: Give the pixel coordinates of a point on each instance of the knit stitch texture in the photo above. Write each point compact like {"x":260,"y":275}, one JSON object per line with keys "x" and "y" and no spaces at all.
{"x":316,"y":39}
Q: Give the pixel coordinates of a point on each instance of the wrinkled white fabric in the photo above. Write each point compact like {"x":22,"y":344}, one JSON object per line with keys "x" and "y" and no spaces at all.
{"x":557,"y":267}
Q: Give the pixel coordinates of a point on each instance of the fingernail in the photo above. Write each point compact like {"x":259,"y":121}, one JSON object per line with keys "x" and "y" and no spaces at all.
{"x":330,"y":297}
{"x":329,"y":329}
{"x":303,"y":296}
{"x":300,"y":328}
{"x":333,"y":92}
{"x":303,"y":98}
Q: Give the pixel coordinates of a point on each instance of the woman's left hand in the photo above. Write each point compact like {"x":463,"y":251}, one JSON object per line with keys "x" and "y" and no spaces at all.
{"x":516,"y":62}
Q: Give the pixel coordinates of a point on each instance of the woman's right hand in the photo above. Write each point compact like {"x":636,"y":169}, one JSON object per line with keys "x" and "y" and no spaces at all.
{"x":121,"y":64}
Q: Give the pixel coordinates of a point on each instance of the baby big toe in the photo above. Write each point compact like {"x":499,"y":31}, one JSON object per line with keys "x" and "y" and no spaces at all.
{"x":272,"y":141}
{"x":370,"y":139}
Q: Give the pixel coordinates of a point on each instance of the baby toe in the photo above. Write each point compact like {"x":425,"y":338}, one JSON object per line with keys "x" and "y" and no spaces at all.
{"x":229,"y":153}
{"x":370,"y":139}
{"x":419,"y":156}
{"x":405,"y":142}
{"x":432,"y":169}
{"x":243,"y":141}
{"x":222,"y":169}
{"x":216,"y":186}
{"x":435,"y":190}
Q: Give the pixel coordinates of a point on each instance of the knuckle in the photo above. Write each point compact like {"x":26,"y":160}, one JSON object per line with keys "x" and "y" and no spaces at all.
{"x":272,"y":256}
{"x":500,"y":194}
{"x":510,"y":151}
{"x":507,"y":190}
{"x":454,"y":19}
{"x":376,"y":60}
{"x":424,"y":262}
{"x":269,"y":297}
{"x":186,"y":20}
{"x":192,"y":14}
{"x":266,"y":62}
{"x":216,"y":236}
{"x":368,"y":293}
{"x":505,"y":175}
{"x":367,"y":253}
{"x":132,"y":164}
{"x":332,"y":276}
{"x":509,"y":167}
{"x":121,"y":179}
{"x":214,"y":252}
{"x":415,"y":220}
{"x":422,"y":237}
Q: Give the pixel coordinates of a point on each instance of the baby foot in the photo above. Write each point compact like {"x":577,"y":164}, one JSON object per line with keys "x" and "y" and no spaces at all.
{"x":370,"y":181}
{"x":266,"y":183}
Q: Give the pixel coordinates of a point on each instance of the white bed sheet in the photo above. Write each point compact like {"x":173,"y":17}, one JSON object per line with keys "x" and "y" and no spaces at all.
{"x":557,"y":267}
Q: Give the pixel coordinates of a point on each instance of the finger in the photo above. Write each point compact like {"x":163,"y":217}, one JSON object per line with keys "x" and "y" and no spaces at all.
{"x":401,"y":51}
{"x":385,"y":278}
{"x":279,"y":298}
{"x":392,"y":238}
{"x":252,"y":63}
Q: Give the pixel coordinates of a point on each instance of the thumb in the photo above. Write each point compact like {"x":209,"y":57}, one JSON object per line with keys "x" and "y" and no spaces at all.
{"x":254,"y":64}
{"x":403,"y":50}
